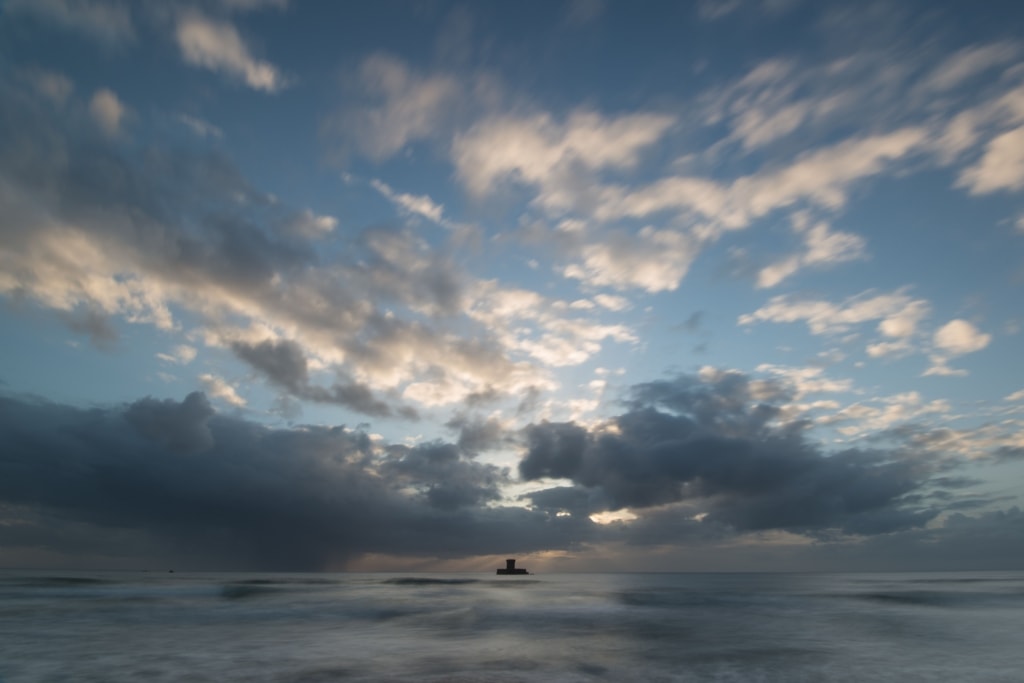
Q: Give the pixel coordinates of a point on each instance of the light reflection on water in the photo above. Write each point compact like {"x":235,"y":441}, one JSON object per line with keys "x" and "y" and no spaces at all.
{"x":466,"y":627}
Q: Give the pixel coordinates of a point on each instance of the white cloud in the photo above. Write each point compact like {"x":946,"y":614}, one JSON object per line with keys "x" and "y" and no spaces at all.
{"x":537,"y":150}
{"x":182,"y":355}
{"x":882,"y":349}
{"x":203,"y":129}
{"x":1000,"y":168}
{"x":961,"y":66}
{"x":955,"y":338}
{"x":218,"y":388}
{"x":612,"y":303}
{"x":806,"y":380}
{"x":108,"y":21}
{"x":958,"y":337}
{"x":420,"y":205}
{"x":1016,"y":396}
{"x":821,"y":177}
{"x":901,"y":326}
{"x":769,"y":276}
{"x":64,"y":268}
{"x":822,"y":247}
{"x":408,"y":106}
{"x":702,"y":196}
{"x":312,"y":225}
{"x":884,"y":413}
{"x":964,"y":130}
{"x":217,"y":46}
{"x":903,"y":323}
{"x":107,"y":111}
{"x":824,"y":317}
{"x":939,"y":368}
{"x":527,"y":322}
{"x":653,"y":260}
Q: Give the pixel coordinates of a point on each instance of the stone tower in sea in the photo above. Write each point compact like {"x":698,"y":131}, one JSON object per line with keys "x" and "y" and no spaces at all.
{"x":510,"y":568}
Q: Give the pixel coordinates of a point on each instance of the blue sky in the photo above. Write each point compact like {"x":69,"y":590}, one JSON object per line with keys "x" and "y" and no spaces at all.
{"x":713,"y":285}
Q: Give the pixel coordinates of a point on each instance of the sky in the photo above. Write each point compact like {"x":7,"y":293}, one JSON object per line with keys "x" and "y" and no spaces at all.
{"x":722,"y":285}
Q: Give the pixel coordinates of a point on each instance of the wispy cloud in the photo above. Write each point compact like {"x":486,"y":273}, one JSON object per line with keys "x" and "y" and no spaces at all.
{"x":216,"y":45}
{"x":107,"y":111}
{"x":108,"y":21}
{"x":220,"y":389}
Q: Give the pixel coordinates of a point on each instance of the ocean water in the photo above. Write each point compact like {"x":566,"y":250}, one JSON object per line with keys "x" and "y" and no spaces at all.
{"x":320,"y":628}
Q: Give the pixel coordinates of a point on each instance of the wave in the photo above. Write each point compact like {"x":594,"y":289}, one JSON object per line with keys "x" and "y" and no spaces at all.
{"x":423,"y":581}
{"x":236,"y":591}
{"x":55,"y":581}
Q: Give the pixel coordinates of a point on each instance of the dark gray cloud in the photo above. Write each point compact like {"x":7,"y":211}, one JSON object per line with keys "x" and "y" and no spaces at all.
{"x":285,"y":364}
{"x":445,"y":480}
{"x":173,"y":483}
{"x":711,"y":444}
{"x":94,"y":324}
{"x":178,"y":482}
{"x":693,"y":323}
{"x":478,"y":434}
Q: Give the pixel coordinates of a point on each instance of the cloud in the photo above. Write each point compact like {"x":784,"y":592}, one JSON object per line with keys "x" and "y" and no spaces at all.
{"x":92,"y":322}
{"x":806,"y":380}
{"x":712,"y":10}
{"x":883,"y":349}
{"x":543,"y":152}
{"x":820,"y":176}
{"x":901,"y":327}
{"x":108,"y":22}
{"x":531,"y":323}
{"x":417,"y":205}
{"x":54,"y":86}
{"x":180,"y":427}
{"x":878,"y":414}
{"x":955,"y":338}
{"x":286,"y":366}
{"x":107,"y":111}
{"x":403,"y":106}
{"x":203,"y":129}
{"x":822,"y":247}
{"x":582,"y":12}
{"x":968,"y":62}
{"x":217,"y":46}
{"x":183,"y":354}
{"x":958,"y":337}
{"x":903,"y":323}
{"x":219,"y":388}
{"x":939,"y":368}
{"x":896,"y":310}
{"x":1000,"y":168}
{"x":311,"y":225}
{"x":250,"y":5}
{"x":174,"y":483}
{"x":611,"y":302}
{"x":189,"y":239}
{"x":205,"y":491}
{"x":653,"y":260}
{"x":711,"y":447}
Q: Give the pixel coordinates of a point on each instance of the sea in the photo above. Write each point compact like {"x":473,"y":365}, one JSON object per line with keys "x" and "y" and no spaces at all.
{"x":321,"y":628}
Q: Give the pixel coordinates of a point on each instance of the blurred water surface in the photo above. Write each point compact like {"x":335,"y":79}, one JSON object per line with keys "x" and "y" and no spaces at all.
{"x":320,"y":628}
